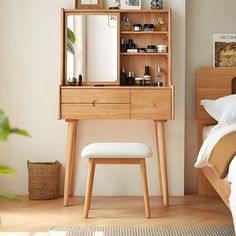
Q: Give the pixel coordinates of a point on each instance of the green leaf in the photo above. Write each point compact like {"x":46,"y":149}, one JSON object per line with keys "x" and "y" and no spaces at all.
{"x":8,"y":196}
{"x":70,"y":35}
{"x":20,"y":132}
{"x":70,"y":40}
{"x":4,"y":126}
{"x":6,"y":170}
{"x":70,"y":47}
{"x":6,"y":130}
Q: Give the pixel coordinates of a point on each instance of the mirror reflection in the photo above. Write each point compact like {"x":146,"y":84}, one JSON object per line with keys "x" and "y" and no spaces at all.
{"x":92,"y":47}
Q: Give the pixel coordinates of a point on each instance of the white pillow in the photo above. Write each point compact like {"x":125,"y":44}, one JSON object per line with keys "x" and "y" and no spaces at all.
{"x":222,"y":109}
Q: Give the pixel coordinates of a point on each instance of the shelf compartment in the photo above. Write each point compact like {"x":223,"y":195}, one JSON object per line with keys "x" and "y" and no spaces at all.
{"x":138,"y":66}
{"x":145,"y":32}
{"x":144,"y":54}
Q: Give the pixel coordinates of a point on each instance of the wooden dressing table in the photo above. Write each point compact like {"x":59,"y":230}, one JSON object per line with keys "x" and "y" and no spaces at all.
{"x":113,"y":101}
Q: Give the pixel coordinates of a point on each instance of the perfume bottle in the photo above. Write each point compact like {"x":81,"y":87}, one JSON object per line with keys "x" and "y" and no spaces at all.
{"x":123,"y":77}
{"x":160,"y":79}
{"x":161,"y":24}
{"x":122,"y":23}
{"x":123,"y":45}
{"x":127,"y":25}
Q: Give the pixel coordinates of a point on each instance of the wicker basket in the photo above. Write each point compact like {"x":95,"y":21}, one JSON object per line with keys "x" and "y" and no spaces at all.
{"x":44,"y":180}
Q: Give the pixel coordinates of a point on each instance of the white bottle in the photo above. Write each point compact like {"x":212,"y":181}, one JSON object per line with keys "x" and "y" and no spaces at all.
{"x":160,"y":80}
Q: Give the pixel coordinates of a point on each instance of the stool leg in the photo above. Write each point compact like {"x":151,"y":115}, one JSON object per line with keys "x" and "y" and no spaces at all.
{"x":145,"y":187}
{"x":89,"y":188}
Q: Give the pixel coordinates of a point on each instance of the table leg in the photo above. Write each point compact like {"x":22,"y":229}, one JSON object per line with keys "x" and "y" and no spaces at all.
{"x":161,"y":155}
{"x":71,"y":191}
{"x":71,"y":141}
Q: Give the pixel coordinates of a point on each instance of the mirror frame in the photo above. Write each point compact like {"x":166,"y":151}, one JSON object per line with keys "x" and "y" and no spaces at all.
{"x":64,"y":15}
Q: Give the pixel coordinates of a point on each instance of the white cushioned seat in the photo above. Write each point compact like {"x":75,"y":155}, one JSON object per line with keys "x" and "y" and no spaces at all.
{"x":116,"y":150}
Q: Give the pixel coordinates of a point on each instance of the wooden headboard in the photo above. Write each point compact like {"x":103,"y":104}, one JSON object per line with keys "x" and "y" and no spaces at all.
{"x":213,"y":83}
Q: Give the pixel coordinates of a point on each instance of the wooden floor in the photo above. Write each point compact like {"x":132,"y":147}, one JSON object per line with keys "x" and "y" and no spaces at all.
{"x":39,"y":216}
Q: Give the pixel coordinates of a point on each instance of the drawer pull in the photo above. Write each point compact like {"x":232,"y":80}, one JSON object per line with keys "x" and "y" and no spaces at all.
{"x":153,"y":104}
{"x":93,"y":103}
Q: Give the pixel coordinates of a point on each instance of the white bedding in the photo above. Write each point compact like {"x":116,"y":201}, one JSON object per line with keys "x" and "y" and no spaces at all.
{"x":210,"y":139}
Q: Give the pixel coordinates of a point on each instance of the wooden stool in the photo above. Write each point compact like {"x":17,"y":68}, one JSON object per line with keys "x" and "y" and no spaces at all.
{"x":116,"y":153}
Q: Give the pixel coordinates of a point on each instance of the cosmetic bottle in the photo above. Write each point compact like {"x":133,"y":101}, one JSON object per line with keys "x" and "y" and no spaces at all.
{"x":159,"y":81}
{"x":137,"y":27}
{"x":131,"y":44}
{"x":127,"y":25}
{"x":123,"y":77}
{"x":146,"y":76}
{"x":131,"y":78}
{"x":123,"y":45}
{"x":122,"y":23}
{"x":80,"y":78}
{"x":161,"y":24}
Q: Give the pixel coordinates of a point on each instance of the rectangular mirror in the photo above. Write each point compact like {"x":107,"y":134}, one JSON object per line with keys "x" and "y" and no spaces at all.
{"x":92,"y":47}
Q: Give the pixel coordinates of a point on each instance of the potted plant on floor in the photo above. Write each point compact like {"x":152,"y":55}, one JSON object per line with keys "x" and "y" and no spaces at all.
{"x":5,"y":131}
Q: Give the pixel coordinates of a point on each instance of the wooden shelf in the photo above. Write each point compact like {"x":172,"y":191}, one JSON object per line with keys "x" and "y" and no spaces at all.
{"x":145,"y":32}
{"x":116,"y":87}
{"x":144,"y":54}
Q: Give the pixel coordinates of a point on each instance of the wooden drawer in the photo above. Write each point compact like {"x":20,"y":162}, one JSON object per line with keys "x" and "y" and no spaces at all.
{"x":95,"y":95}
{"x":152,"y":104}
{"x":95,"y":111}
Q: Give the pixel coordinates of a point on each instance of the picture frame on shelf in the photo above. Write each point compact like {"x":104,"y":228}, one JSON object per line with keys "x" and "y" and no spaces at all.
{"x":89,"y":4}
{"x":224,"y":50}
{"x":130,"y":4}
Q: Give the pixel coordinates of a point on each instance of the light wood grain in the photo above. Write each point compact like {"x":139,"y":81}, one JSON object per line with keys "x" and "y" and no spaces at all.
{"x":71,"y":143}
{"x":95,"y":96}
{"x":161,"y":155}
{"x":73,"y":160}
{"x":137,"y":63}
{"x":127,"y":161}
{"x":212,"y":84}
{"x":90,"y":179}
{"x":92,"y":11}
{"x":89,"y":188}
{"x":145,"y":187}
{"x":144,"y":32}
{"x":169,"y":82}
{"x":133,"y":87}
{"x":222,"y":186}
{"x":40,"y":216}
{"x":142,"y":39}
{"x":62,"y":46}
{"x":152,"y":105}
{"x":117,"y":102}
{"x":144,"y":54}
{"x":204,"y":186}
{"x":95,"y":111}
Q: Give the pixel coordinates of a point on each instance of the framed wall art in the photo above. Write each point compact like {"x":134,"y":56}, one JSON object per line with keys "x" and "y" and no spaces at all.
{"x":88,"y":4}
{"x":224,"y":50}
{"x":130,"y":4}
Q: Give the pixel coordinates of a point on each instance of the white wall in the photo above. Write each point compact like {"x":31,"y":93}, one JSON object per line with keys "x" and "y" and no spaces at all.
{"x":203,"y":19}
{"x":29,"y":79}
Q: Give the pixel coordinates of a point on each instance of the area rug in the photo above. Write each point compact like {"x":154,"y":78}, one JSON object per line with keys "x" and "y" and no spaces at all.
{"x":139,"y":231}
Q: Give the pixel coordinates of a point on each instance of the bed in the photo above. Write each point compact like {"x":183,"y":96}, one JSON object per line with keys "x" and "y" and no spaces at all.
{"x":213,"y":84}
